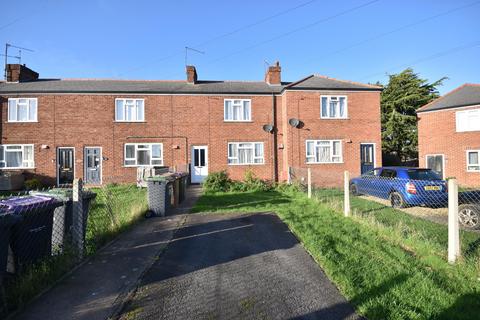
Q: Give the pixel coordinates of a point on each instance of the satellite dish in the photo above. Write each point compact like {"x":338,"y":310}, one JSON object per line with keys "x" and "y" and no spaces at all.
{"x":294,"y":122}
{"x":268,"y":128}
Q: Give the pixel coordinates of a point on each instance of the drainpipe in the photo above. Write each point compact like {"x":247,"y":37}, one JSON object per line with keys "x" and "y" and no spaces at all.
{"x":275,"y":131}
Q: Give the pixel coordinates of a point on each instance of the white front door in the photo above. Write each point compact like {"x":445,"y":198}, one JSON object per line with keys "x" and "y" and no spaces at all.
{"x":199,"y":163}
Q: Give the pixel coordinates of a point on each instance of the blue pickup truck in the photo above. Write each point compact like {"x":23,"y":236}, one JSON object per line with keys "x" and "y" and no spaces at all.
{"x":407,"y":186}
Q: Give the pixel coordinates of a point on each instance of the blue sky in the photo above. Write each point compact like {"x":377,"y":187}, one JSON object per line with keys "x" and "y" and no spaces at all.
{"x":352,"y":40}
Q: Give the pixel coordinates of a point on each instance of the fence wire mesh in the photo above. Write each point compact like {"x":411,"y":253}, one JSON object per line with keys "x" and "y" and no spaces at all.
{"x":44,"y":233}
{"x":413,"y":205}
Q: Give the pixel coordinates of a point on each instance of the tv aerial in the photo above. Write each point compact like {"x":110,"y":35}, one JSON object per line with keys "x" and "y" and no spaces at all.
{"x":18,"y":57}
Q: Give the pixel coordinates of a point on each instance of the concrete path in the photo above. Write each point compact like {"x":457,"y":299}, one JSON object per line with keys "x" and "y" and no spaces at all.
{"x":236,"y":266}
{"x":98,"y":289}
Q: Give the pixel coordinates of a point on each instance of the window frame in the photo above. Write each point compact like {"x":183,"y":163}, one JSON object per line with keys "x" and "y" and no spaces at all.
{"x":136,"y":165}
{"x":468,"y":161}
{"x":253,"y":149}
{"x":331,"y":141}
{"x":329,"y":98}
{"x":124,"y":109}
{"x":16,"y":110}
{"x":463,"y":112}
{"x":22,"y":149}
{"x":243,"y":111}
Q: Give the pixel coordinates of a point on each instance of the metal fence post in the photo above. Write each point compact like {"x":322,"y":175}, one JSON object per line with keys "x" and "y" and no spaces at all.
{"x":78,"y":220}
{"x":346,"y":194}
{"x":309,"y":182}
{"x":453,"y":226}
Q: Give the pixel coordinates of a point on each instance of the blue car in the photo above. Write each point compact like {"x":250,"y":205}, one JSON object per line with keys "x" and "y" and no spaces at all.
{"x":403,"y":186}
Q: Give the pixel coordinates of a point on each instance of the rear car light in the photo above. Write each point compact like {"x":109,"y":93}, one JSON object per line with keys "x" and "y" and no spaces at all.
{"x":410,"y":188}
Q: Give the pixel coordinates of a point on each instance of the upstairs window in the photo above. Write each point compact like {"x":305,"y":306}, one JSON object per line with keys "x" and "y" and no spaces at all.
{"x":22,"y":110}
{"x":468,"y":120}
{"x":143,"y":154}
{"x":237,"y":110}
{"x":333,"y":107}
{"x":324,"y":151}
{"x":16,"y":156}
{"x":245,"y":153}
{"x":129,"y":110}
{"x":473,"y":160}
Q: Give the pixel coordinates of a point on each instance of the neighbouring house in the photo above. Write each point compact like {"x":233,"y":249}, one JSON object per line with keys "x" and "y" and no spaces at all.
{"x":58,"y":129}
{"x":449,"y":135}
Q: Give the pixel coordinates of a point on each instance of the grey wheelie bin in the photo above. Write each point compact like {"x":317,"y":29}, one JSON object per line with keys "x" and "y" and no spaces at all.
{"x":159,"y":196}
{"x":63,"y":220}
{"x":31,"y":238}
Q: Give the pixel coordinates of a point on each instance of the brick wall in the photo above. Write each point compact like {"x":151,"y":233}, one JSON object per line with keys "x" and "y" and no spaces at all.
{"x":182,"y":121}
{"x":437,"y":135}
{"x":362,"y":126}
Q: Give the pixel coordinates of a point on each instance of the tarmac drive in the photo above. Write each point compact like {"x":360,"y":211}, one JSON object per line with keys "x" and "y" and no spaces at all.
{"x":236,"y":266}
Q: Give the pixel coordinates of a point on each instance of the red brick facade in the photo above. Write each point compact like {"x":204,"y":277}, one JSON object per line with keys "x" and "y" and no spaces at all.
{"x":181,"y":121}
{"x":437,"y":135}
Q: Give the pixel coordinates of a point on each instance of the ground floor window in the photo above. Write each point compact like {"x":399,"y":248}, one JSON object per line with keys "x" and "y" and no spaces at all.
{"x":323,"y":151}
{"x":473,"y":160}
{"x":143,"y":154}
{"x":16,"y":156}
{"x":245,"y":153}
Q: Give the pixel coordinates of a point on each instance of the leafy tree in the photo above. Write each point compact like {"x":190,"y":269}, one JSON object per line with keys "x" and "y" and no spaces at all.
{"x":401,"y":97}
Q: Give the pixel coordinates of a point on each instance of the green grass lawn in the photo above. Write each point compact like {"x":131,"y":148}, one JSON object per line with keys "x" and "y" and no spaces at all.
{"x":115,"y":208}
{"x":388,"y":264}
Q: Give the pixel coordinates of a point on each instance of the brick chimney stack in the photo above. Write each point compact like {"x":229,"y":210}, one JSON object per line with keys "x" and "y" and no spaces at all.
{"x":19,"y":72}
{"x":273,"y":76}
{"x":191,"y":74}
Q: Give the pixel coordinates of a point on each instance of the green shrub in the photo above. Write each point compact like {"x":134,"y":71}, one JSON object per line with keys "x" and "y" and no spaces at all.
{"x":217,"y":182}
{"x":252,"y":183}
{"x":33,"y":184}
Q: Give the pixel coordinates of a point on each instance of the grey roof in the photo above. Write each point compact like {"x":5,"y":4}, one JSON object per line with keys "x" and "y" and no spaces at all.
{"x":322,"y":82}
{"x":466,"y":95}
{"x":132,"y":86}
{"x":180,"y":87}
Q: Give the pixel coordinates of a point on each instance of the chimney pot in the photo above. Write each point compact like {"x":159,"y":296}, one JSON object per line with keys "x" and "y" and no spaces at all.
{"x":191,"y":74}
{"x":273,"y":76}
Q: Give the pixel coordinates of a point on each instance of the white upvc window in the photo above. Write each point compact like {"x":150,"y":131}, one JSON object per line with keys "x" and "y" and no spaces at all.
{"x":16,"y":156}
{"x":333,"y":107}
{"x":22,"y":110}
{"x":143,"y":154}
{"x":237,"y":110}
{"x":324,"y":151}
{"x":473,"y":160}
{"x":129,"y":110}
{"x":245,"y":153}
{"x":468,"y":120}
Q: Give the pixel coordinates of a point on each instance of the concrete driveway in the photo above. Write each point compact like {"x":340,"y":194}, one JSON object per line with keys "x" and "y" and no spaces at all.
{"x":236,"y":266}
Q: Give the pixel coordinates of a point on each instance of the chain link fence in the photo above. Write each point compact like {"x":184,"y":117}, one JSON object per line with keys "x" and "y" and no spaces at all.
{"x":396,"y":197}
{"x":45,"y":233}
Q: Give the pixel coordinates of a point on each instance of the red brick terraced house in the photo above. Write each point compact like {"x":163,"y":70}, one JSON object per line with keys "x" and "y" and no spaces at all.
{"x":58,"y":129}
{"x":449,"y":135}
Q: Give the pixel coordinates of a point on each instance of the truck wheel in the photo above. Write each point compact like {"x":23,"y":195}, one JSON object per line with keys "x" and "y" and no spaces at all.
{"x":469,"y":216}
{"x":396,"y":200}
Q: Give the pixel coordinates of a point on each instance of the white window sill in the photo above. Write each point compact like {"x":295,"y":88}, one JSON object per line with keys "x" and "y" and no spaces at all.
{"x":327,"y":118}
{"x":116,"y":121}
{"x":234,"y":121}
{"x":246,"y":164}
{"x":22,"y":168}
{"x":143,"y":165}
{"x":473,"y":171}
{"x":22,"y":121}
{"x":324,"y":162}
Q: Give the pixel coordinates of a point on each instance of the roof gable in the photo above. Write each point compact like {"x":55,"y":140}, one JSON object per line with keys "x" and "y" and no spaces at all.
{"x":319,"y":82}
{"x":463,"y":96}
